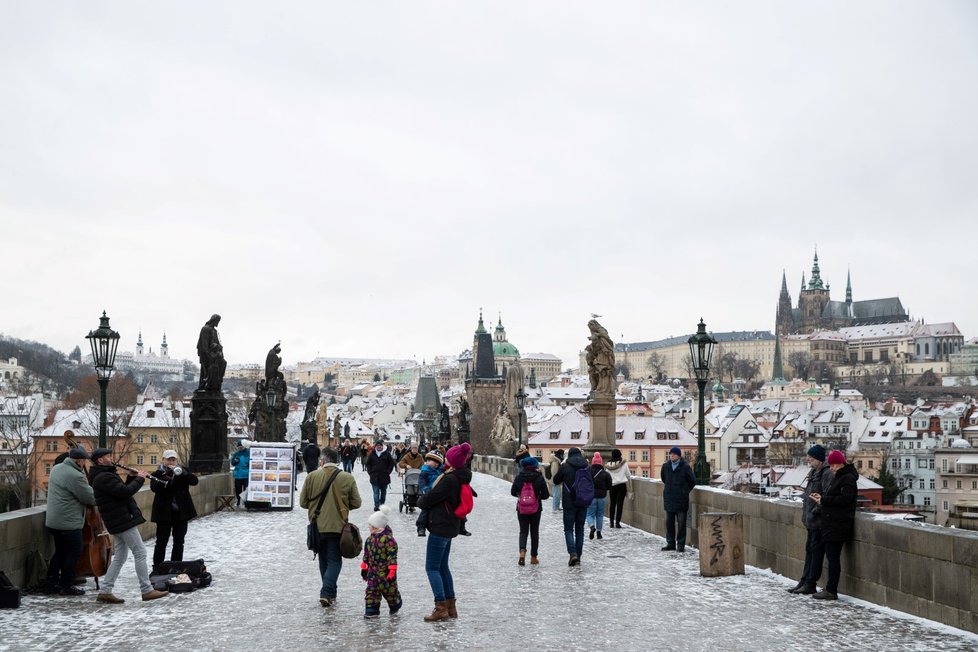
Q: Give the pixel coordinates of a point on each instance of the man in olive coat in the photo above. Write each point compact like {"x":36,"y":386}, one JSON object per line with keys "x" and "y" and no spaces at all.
{"x":68,"y":494}
{"x":333,"y":515}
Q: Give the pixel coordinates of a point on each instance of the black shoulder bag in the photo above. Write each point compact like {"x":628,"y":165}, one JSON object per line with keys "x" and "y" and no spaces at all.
{"x":312,"y":531}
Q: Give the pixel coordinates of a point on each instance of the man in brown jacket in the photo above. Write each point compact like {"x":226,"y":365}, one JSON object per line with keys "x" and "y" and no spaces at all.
{"x":341,"y":498}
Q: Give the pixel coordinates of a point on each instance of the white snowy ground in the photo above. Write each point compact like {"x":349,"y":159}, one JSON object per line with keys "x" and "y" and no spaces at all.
{"x":626,"y":595}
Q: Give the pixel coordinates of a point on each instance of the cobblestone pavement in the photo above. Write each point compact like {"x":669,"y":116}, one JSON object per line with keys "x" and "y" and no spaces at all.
{"x":626,"y":595}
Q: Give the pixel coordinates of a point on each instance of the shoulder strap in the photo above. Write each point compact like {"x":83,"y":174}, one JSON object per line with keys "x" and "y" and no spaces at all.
{"x":322,"y":496}
{"x":344,"y":511}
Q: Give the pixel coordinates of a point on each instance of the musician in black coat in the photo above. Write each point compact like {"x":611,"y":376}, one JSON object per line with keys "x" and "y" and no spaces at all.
{"x":122,"y":518}
{"x":173,"y":508}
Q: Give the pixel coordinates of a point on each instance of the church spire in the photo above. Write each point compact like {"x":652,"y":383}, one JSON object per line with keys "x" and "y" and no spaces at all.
{"x":816,"y":282}
{"x":482,"y":327}
{"x":848,"y":287}
{"x":778,"y":367}
{"x":803,"y":281}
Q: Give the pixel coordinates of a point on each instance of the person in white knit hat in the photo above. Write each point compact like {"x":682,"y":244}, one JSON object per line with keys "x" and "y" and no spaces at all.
{"x":379,"y":566}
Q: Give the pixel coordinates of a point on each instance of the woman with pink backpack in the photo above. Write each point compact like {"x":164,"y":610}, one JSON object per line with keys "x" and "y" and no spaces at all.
{"x":530,"y":490}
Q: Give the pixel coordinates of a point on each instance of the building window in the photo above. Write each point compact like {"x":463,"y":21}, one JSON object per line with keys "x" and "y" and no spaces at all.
{"x":173,"y":439}
{"x":944,"y":465}
{"x":139,"y":459}
{"x":932,"y":483}
{"x":152,"y":459}
{"x":139,"y":439}
{"x":930,"y":464}
{"x":645,"y":456}
{"x":575,"y":434}
{"x":631,"y":456}
{"x":959,"y":484}
{"x":539,"y":453}
{"x":639,"y":434}
{"x":944,"y":484}
{"x":921,"y":464}
{"x":154,"y":439}
{"x":619,"y":434}
{"x":974,"y":484}
{"x":150,"y":414}
{"x":47,"y":469}
{"x":927,"y":501}
{"x":645,"y":473}
{"x":713,"y":447}
{"x":920,"y":484}
{"x":870,"y":463}
{"x":944,"y":505}
{"x":868,"y":356}
{"x":859,"y":464}
{"x":555,"y":434}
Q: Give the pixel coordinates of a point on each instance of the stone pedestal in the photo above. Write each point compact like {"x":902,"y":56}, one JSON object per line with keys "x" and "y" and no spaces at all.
{"x":601,"y":416}
{"x":208,"y":432}
{"x":721,"y":544}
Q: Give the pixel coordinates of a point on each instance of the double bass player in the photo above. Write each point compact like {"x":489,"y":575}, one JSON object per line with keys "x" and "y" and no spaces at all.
{"x":68,"y":494}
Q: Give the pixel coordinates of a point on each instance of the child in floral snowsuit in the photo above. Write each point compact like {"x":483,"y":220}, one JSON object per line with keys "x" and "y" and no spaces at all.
{"x":379,"y":566}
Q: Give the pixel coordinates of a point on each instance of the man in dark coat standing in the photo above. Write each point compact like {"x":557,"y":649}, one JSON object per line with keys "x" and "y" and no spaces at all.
{"x":380,"y":464}
{"x":173,"y":507}
{"x":838,"y":504}
{"x":122,"y":519}
{"x":818,"y":479}
{"x":679,"y":480}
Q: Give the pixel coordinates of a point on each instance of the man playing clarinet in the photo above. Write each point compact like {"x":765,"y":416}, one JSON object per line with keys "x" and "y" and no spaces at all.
{"x":122,"y":519}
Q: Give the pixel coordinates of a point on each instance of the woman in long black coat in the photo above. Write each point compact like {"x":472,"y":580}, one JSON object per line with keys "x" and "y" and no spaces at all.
{"x":838,"y":507}
{"x":173,"y":508}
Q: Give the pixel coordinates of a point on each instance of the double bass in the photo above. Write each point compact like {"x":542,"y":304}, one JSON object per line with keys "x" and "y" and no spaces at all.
{"x":96,"y":542}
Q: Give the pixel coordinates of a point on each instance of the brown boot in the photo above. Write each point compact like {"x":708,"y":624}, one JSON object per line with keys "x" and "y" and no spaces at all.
{"x":522,"y":561}
{"x":450,"y":606}
{"x":154,"y":594}
{"x":440,"y":613}
{"x":108,"y":598}
{"x":534,"y":561}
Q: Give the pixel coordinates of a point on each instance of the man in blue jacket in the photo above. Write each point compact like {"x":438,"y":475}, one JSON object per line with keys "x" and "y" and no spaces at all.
{"x":679,"y":480}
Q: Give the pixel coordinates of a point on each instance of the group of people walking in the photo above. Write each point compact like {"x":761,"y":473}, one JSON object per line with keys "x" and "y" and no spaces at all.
{"x":81,"y":481}
{"x":446,"y":498}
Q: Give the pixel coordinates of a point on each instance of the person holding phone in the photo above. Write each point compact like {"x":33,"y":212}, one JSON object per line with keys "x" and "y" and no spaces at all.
{"x":838,"y":504}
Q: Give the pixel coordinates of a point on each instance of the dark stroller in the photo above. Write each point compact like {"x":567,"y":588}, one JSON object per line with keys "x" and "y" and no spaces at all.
{"x":409,"y":499}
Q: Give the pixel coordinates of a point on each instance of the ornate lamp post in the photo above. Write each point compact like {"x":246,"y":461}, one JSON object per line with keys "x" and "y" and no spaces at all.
{"x":104,"y":343}
{"x":701,"y":351}
{"x":520,"y":402}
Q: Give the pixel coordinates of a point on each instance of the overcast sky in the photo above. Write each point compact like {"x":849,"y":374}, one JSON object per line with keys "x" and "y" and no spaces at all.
{"x":358,"y":179}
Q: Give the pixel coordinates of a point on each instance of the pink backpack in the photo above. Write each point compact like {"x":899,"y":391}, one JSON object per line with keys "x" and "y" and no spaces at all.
{"x":528,"y":503}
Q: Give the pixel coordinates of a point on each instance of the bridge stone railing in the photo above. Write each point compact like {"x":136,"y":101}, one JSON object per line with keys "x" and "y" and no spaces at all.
{"x":22,"y":531}
{"x":927,"y":571}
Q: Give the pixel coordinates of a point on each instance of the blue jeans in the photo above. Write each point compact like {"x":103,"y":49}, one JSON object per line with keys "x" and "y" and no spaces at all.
{"x":595,"y":513}
{"x":436,"y":567}
{"x":676,"y":532}
{"x":814,"y":557}
{"x":330,"y":563}
{"x":574,"y":518}
{"x":380,"y":495}
{"x":555,"y":494}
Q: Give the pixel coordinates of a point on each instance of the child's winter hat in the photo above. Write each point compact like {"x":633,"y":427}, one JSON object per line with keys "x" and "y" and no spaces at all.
{"x":530,"y":462}
{"x":379,"y":518}
{"x":597,"y":458}
{"x":434,"y":457}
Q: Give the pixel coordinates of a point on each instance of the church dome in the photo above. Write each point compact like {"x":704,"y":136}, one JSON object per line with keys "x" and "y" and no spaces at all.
{"x":504,"y":349}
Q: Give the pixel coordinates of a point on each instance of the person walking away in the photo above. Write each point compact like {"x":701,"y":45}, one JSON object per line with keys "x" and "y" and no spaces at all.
{"x":575,"y":480}
{"x":240,"y":461}
{"x":411,"y":459}
{"x":602,"y":485}
{"x":819,"y":477}
{"x":173,"y":507}
{"x":621,"y":486}
{"x":838,"y":504}
{"x":341,"y":497}
{"x":556,"y":459}
{"x":429,"y":473}
{"x":679,"y":480}
{"x":530,"y":490}
{"x":379,"y":467}
{"x":364,"y":454}
{"x":379,"y":566}
{"x":521,"y":454}
{"x":310,"y":457}
{"x":68,"y":494}
{"x":122,"y":519}
{"x":443,"y":525}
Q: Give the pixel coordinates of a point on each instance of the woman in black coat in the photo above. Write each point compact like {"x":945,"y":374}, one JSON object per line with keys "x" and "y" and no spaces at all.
{"x":530,"y":523}
{"x":173,"y":508}
{"x":838,"y":507}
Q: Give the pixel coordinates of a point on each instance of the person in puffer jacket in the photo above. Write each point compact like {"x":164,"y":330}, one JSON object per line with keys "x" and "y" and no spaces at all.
{"x":379,"y":566}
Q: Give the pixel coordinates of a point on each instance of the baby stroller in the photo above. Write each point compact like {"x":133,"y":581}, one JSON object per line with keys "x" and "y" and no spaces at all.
{"x":409,"y":499}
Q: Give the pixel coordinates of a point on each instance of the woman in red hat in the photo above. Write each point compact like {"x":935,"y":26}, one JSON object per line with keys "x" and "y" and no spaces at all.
{"x":838,"y":506}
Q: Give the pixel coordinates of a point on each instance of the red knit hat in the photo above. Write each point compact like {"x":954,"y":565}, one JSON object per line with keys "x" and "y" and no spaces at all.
{"x":836,"y":457}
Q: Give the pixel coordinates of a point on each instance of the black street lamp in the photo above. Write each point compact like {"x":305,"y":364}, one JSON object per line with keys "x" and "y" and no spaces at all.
{"x":701,"y":352}
{"x":104,"y":343}
{"x":270,"y":399}
{"x":520,"y":402}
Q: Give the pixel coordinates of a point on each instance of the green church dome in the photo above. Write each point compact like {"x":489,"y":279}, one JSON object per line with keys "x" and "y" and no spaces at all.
{"x":504,"y":349}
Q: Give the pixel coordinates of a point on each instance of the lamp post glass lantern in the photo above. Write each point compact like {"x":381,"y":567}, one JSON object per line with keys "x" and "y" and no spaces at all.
{"x":701,"y":352}
{"x":270,"y":399}
{"x":520,"y":402}
{"x":104,"y":342}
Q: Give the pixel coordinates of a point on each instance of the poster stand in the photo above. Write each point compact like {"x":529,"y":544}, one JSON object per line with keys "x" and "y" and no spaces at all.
{"x":271,"y":476}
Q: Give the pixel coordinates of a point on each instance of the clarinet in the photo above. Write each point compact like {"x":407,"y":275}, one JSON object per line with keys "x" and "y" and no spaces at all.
{"x":151,"y":477}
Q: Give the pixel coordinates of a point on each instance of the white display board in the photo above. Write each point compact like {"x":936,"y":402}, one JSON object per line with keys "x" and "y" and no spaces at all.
{"x":271,"y":476}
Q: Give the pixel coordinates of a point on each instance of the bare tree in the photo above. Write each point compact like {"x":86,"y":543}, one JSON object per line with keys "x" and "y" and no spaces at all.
{"x":687,"y":366}
{"x":747,"y":369}
{"x":800,"y":363}
{"x":656,"y":364}
{"x":18,"y":459}
{"x":727,"y":366}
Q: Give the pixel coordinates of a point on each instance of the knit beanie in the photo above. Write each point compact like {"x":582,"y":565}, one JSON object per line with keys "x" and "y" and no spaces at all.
{"x":597,"y":458}
{"x":379,"y":518}
{"x":530,"y":462}
{"x":434,"y":457}
{"x":836,"y":457}
{"x":573,"y":451}
{"x":817,"y":452}
{"x":676,"y":450}
{"x":457,"y":456}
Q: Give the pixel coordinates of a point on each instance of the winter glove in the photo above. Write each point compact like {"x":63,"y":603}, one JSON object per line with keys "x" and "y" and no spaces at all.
{"x":363,"y":570}
{"x":391,"y":572}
